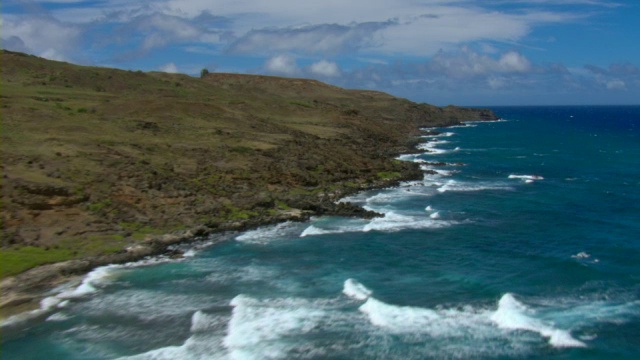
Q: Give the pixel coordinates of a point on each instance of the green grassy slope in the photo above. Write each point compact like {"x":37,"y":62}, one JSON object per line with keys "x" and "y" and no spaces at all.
{"x":94,"y":159}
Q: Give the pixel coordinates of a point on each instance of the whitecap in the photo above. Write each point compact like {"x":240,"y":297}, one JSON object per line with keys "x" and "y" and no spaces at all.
{"x":204,"y":343}
{"x":467,"y":321}
{"x":313,"y":230}
{"x":59,"y":316}
{"x":526,"y":178}
{"x":411,"y":158}
{"x":463,"y":125}
{"x":257,"y":325}
{"x":203,"y":322}
{"x":356,"y":290}
{"x":453,"y":185}
{"x":94,"y":280}
{"x":431,"y":148}
{"x":581,"y":255}
{"x":513,"y":315}
{"x":393,"y":221}
{"x":265,"y":234}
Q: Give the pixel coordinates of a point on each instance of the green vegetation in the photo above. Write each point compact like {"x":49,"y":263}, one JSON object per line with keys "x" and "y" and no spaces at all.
{"x":15,"y":260}
{"x":385,"y":175}
{"x":95,"y":158}
{"x":98,"y":206}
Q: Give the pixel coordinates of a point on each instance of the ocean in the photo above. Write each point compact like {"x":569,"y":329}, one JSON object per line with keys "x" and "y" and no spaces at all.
{"x":521,"y":242}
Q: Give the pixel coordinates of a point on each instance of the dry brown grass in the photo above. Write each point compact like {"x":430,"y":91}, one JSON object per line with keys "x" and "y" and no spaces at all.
{"x":87,"y":149}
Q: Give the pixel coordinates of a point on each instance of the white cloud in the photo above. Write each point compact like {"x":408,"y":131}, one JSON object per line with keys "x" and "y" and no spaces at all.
{"x":366,"y":28}
{"x":169,"y":68}
{"x":315,"y":39}
{"x":52,"y":54}
{"x":466,"y":63}
{"x":41,"y":35}
{"x":282,"y":65}
{"x":514,"y":62}
{"x":325,"y":68}
{"x":372,"y":26}
{"x":496,"y":82}
{"x":444,"y":45}
{"x":616,"y":85}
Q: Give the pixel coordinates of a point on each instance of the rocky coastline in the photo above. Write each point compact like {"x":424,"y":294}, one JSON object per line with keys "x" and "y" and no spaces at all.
{"x":104,"y":166}
{"x":25,"y":291}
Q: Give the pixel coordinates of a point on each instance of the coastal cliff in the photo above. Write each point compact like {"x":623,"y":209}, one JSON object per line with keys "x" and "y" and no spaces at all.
{"x":103,"y":165}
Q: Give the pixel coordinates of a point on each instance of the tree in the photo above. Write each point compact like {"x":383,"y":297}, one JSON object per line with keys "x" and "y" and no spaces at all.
{"x":204,"y":72}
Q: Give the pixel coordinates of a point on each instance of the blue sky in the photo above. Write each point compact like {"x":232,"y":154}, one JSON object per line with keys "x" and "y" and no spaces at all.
{"x":492,"y":52}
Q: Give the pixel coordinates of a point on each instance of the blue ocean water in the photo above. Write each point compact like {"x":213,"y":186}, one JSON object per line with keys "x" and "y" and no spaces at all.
{"x":526,"y":245}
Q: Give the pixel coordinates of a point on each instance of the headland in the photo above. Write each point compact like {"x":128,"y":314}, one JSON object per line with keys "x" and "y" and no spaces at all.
{"x":108,"y":166}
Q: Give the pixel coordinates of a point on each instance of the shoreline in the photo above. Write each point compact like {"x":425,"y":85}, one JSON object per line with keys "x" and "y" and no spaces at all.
{"x":23,"y":293}
{"x":153,"y":160}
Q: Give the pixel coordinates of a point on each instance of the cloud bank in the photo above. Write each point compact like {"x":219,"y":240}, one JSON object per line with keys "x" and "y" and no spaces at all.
{"x":417,"y":49}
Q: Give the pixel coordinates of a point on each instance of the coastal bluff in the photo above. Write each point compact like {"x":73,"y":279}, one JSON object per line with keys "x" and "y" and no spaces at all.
{"x":103,"y":165}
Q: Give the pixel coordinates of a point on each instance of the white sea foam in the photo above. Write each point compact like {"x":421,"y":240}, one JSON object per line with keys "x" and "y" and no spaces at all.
{"x":190,"y":253}
{"x":356,"y":290}
{"x":463,"y":125}
{"x":313,"y":230}
{"x":581,"y":255}
{"x":431,"y":147}
{"x":204,"y":343}
{"x":266,"y":234}
{"x":467,"y":321}
{"x":203,"y":322}
{"x":513,"y":315}
{"x":411,"y":157}
{"x":447,"y":134}
{"x":335,"y":226}
{"x":428,"y":208}
{"x":385,"y":197}
{"x":58,"y":317}
{"x":93,"y":281}
{"x":453,"y":185}
{"x":393,"y":221}
{"x":398,"y":318}
{"x":585,"y":258}
{"x":440,"y":323}
{"x":443,"y":172}
{"x":257,"y":325}
{"x":147,"y":305}
{"x":435,"y":215}
{"x":526,"y":178}
{"x":438,"y":172}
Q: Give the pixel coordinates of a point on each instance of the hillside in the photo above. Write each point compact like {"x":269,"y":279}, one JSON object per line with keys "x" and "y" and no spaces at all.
{"x":96,"y":159}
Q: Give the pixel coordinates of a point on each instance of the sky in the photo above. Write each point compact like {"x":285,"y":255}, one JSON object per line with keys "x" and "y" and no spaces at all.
{"x":463,"y":52}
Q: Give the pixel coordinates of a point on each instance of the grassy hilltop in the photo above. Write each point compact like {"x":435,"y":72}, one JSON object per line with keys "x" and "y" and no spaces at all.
{"x":97,"y":159}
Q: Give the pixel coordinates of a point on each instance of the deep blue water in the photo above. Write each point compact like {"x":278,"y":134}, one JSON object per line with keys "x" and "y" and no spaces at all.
{"x":526,"y":245}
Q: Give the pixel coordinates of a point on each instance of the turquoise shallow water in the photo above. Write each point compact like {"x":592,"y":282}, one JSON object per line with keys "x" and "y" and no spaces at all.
{"x":526,"y":245}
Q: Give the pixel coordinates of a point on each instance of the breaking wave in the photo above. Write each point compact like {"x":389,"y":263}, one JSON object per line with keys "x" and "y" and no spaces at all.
{"x":526,"y":178}
{"x":453,"y":185}
{"x":267,"y":234}
{"x":465,"y":322}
